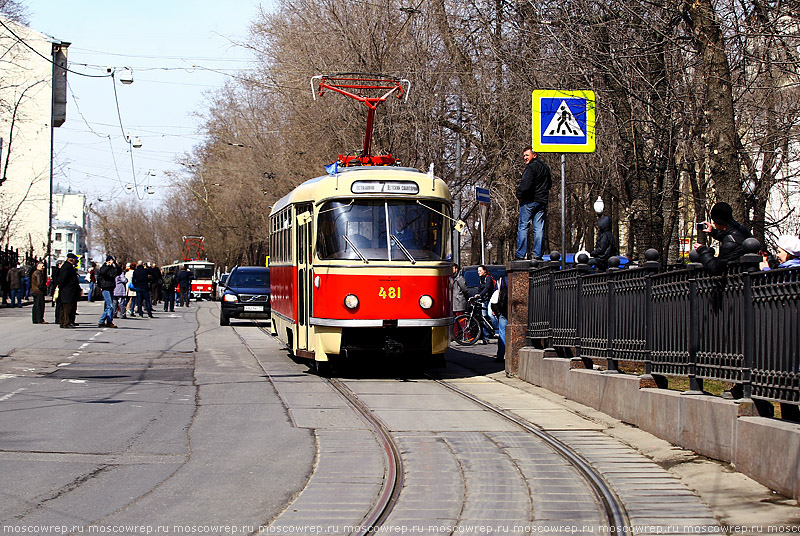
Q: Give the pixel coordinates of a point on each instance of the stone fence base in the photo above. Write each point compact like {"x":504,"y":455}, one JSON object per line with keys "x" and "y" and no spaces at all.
{"x":766,"y":450}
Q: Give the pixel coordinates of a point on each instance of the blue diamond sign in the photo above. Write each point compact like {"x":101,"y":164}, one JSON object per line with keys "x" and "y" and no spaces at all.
{"x":563,"y":121}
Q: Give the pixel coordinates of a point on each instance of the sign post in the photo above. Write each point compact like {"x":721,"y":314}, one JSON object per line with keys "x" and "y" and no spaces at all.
{"x":563,"y":122}
{"x":483,"y":198}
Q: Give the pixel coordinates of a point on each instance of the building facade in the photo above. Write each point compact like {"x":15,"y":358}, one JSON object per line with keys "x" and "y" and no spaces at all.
{"x":32,"y":103}
{"x":69,"y":225}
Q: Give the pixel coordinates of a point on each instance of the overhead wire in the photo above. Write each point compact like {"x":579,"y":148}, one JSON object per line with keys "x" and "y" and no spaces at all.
{"x":49,"y":60}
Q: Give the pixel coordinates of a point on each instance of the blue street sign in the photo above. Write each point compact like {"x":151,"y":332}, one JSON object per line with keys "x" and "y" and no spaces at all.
{"x":482,"y":195}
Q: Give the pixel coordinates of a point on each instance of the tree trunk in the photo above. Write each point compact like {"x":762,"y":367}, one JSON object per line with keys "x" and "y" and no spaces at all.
{"x":720,"y":133}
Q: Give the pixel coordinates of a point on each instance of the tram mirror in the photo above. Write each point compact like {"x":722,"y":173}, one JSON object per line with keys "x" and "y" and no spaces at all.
{"x":460,"y":226}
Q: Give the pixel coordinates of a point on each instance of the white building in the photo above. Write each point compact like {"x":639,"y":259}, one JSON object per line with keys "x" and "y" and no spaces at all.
{"x":69,"y":224}
{"x":32,"y":102}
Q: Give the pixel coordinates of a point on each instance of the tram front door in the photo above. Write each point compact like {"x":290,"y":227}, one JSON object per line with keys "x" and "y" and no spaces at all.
{"x":304,"y":276}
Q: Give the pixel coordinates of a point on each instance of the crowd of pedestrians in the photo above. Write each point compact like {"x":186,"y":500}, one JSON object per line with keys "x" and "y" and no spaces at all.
{"x":127,"y":290}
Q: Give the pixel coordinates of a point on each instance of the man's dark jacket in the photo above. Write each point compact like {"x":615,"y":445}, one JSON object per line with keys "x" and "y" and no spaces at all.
{"x":606,"y":246}
{"x":535,"y":184}
{"x":69,"y":289}
{"x":140,"y":279}
{"x":38,"y":282}
{"x":730,"y":247}
{"x":185,"y":277}
{"x":105,"y":276}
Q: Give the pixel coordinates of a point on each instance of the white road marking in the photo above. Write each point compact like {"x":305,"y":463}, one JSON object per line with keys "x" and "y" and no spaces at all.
{"x":63,"y":364}
{"x":73,"y":381}
{"x":7,"y":376}
{"x":12,"y":393}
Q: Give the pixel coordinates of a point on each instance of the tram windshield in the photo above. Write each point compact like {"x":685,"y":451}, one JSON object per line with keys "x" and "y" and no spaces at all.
{"x":371,"y":229}
{"x":201,"y":271}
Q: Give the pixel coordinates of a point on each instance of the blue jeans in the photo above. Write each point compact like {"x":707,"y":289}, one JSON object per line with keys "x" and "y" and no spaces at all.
{"x":108,"y":312}
{"x":91,"y":292}
{"x":26,"y":285}
{"x":16,"y":296}
{"x":501,"y":336}
{"x":143,"y":297}
{"x":530,"y":212}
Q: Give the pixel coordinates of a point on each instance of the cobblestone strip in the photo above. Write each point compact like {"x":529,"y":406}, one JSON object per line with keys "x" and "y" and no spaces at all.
{"x":497,"y":497}
{"x":344,"y":486}
{"x":562,"y":500}
{"x":656,"y":501}
{"x":433,"y":490}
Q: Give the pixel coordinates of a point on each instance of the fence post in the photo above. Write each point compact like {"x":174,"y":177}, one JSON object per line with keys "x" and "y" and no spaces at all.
{"x":583,"y":269}
{"x":517,"y":327}
{"x":647,"y":380}
{"x":695,"y":383}
{"x":612,"y":365}
{"x":555,"y":258}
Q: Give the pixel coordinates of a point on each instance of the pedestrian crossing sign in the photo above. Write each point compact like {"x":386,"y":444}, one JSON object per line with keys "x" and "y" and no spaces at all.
{"x":563,"y":121}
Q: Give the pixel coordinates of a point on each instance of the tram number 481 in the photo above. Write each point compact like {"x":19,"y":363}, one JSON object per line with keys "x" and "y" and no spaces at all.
{"x":390,"y":293}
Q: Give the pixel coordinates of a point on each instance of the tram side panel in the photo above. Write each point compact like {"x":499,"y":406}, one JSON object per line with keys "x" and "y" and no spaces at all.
{"x":283,"y":300}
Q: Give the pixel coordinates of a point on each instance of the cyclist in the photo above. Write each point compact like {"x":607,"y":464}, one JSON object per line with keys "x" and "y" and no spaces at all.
{"x":486,"y":289}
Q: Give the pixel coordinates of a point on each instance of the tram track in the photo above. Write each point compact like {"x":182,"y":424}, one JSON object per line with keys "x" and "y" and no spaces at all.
{"x":615,"y":512}
{"x":613,"y":508}
{"x":393,"y":481}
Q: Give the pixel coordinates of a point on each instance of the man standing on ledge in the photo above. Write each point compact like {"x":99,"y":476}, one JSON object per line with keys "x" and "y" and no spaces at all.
{"x":532,"y":192}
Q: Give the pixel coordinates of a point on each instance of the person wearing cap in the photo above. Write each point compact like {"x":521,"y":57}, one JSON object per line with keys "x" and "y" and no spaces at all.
{"x":106,"y":276}
{"x":788,"y":253}
{"x":69,"y":290}
{"x":728,"y":232}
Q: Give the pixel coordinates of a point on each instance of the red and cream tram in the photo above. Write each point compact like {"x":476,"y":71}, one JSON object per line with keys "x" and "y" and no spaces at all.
{"x":359,"y":261}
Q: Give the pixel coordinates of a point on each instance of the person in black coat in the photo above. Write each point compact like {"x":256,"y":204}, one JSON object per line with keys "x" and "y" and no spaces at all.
{"x":69,"y":291}
{"x":105,"y":278}
{"x":141,"y":282}
{"x":606,"y":245}
{"x":532,"y":193}
{"x":728,"y":232}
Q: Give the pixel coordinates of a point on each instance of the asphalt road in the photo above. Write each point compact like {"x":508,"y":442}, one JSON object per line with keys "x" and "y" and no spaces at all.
{"x":166,"y":424}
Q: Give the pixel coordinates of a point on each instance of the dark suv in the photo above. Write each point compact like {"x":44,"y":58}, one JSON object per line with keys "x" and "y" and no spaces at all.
{"x":246,"y":294}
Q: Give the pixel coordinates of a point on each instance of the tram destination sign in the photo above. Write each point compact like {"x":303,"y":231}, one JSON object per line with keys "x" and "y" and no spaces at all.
{"x":384,"y":187}
{"x":563,"y":121}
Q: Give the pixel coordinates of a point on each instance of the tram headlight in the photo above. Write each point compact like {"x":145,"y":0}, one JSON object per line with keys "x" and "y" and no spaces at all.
{"x":230,"y":298}
{"x":350,"y":301}
{"x":425,"y":301}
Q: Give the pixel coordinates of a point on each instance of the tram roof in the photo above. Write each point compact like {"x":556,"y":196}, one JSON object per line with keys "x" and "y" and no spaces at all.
{"x":339,"y":185}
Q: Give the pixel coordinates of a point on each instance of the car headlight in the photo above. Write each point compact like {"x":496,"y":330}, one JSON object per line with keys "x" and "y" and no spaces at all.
{"x":350,"y":301}
{"x":425,"y":301}
{"x":230,"y":298}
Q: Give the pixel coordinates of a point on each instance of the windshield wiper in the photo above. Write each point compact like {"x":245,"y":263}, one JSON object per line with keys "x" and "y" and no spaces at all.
{"x":404,"y":250}
{"x":358,"y":251}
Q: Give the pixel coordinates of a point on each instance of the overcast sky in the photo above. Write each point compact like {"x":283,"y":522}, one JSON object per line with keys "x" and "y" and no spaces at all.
{"x":173,"y":48}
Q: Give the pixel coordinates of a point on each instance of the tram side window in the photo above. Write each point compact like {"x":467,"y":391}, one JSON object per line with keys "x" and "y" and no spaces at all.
{"x":280,"y":237}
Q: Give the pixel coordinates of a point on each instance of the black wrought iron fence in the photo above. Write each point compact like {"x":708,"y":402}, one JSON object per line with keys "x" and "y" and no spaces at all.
{"x":9,"y":256}
{"x":741,"y":327}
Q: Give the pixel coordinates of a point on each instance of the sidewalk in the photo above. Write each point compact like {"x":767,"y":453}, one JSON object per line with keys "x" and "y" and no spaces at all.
{"x":738,"y":502}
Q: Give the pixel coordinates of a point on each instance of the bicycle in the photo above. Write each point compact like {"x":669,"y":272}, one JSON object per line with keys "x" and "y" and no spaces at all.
{"x":468,"y":326}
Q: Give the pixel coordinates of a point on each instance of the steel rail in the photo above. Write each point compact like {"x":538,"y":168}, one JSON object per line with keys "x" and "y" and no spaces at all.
{"x":615,"y":511}
{"x":393,"y":479}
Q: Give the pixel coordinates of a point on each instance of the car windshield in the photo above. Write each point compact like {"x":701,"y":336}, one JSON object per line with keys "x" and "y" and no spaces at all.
{"x":383,"y":230}
{"x":249,"y":278}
